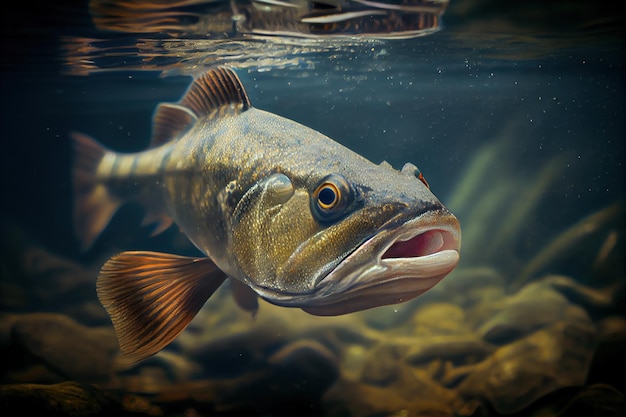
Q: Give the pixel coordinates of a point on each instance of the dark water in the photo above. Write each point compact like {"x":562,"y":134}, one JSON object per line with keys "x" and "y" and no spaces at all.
{"x":534,"y":89}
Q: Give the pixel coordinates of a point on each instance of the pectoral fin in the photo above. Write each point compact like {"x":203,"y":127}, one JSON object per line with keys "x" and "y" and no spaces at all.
{"x":151,"y":297}
{"x":244,"y":296}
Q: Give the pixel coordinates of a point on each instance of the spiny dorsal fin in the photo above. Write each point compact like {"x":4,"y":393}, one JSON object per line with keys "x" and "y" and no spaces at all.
{"x":162,"y":220}
{"x":169,"y":122}
{"x":217,"y":88}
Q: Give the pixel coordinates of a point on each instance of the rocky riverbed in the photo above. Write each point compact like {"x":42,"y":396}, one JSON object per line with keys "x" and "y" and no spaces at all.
{"x":469,"y":347}
{"x":541,"y":335}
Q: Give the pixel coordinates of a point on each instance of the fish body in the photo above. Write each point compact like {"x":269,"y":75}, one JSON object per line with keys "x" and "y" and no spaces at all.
{"x":286,"y":212}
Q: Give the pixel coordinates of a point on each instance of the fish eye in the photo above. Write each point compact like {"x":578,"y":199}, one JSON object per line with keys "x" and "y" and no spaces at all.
{"x":331,"y":198}
{"x":328,"y":195}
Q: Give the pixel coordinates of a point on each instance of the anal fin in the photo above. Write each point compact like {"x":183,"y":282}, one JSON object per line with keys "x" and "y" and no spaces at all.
{"x":163,"y":222}
{"x":151,"y":297}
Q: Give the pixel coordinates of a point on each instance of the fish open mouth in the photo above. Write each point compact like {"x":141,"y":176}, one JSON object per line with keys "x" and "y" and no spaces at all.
{"x":393,"y":266}
{"x":427,"y":243}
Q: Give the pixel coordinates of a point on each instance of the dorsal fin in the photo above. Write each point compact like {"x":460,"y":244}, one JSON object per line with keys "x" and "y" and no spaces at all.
{"x":218,"y":88}
{"x":169,"y":122}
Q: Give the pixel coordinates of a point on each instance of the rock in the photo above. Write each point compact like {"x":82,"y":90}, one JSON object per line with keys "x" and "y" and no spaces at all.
{"x":36,"y":279}
{"x":412,"y":394}
{"x":598,"y":302}
{"x":50,"y":276}
{"x":353,"y":361}
{"x":66,"y":347}
{"x":438,"y":333}
{"x":292,"y":381}
{"x":456,"y":349}
{"x":536,"y":305}
{"x":517,"y":374}
{"x":468,"y":286}
{"x":388,"y":385}
{"x":338,"y":335}
{"x":439,"y":319}
{"x":66,"y":399}
{"x":384,"y":364}
{"x":612,"y":328}
{"x":304,"y":370}
{"x":595,"y":400}
{"x":158,"y":371}
{"x":234,"y":354}
{"x":609,"y":355}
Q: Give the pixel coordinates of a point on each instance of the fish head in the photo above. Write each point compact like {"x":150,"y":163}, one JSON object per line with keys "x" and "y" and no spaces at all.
{"x":343,"y":240}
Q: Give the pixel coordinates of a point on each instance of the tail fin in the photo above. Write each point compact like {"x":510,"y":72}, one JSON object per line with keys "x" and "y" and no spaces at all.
{"x":93,"y":205}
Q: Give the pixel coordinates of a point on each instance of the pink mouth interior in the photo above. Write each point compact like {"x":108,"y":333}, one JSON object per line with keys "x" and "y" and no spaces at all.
{"x":427,"y":243}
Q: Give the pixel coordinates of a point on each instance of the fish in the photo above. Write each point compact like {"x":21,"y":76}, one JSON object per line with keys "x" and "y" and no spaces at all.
{"x":281,"y":211}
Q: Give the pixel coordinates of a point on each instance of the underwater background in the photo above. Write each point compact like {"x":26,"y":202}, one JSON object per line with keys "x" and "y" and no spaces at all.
{"x":514,"y":112}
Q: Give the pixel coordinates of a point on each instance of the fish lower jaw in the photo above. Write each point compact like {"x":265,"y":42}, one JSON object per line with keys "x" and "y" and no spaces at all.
{"x":398,"y":276}
{"x":377,"y":294}
{"x":389,"y":281}
{"x":379,"y":283}
{"x":426,"y":266}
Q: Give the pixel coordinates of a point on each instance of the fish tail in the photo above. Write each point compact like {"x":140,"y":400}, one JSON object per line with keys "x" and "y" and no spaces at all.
{"x":94,"y":206}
